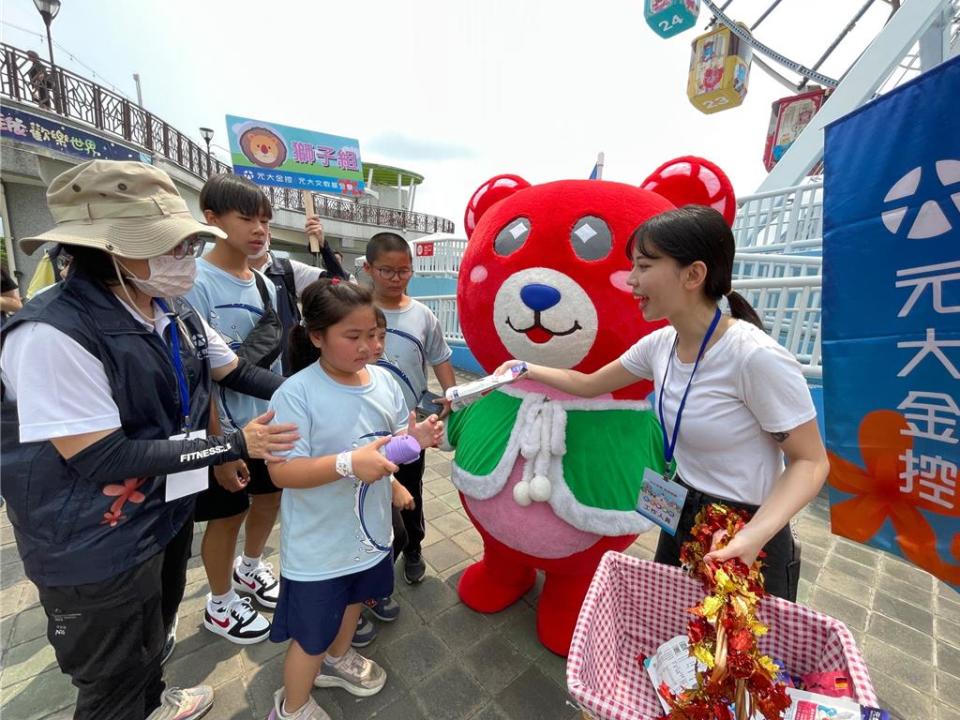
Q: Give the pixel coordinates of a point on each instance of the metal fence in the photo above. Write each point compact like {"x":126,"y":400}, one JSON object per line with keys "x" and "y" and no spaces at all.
{"x":34,"y":82}
{"x":785,"y":290}
{"x":788,"y":307}
{"x":445,"y":308}
{"x":351,"y":211}
{"x":747,"y":266}
{"x":781,"y":221}
{"x":790,"y":311}
{"x":444,"y":257}
{"x":37,"y":83}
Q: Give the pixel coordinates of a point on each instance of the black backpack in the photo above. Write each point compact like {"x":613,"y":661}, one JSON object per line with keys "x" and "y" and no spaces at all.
{"x":263,"y":345}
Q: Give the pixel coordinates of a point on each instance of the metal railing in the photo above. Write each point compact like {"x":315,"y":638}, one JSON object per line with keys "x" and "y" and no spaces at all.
{"x":445,"y":308}
{"x":748,"y":266}
{"x":350,"y":211}
{"x":56,"y":90}
{"x":781,"y":221}
{"x":444,"y":260}
{"x":789,"y":308}
{"x":785,"y":290}
{"x":35,"y":82}
{"x":791,"y":315}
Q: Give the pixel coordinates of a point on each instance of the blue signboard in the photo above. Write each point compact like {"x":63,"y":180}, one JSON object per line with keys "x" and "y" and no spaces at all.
{"x":23,"y":126}
{"x":283,"y":156}
{"x":891,"y":321}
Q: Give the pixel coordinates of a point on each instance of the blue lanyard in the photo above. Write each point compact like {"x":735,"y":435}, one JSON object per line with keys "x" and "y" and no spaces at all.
{"x":178,"y":365}
{"x":669,"y":447}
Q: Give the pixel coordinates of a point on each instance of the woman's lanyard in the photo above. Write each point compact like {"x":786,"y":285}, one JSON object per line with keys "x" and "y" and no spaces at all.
{"x":177,"y":364}
{"x":669,"y":447}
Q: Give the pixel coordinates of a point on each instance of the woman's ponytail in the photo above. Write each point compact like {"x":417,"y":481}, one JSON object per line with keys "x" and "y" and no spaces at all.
{"x":302,"y":351}
{"x":742,"y":310}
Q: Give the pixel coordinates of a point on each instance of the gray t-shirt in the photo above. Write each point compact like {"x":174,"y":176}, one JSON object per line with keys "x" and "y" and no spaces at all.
{"x":414,"y":342}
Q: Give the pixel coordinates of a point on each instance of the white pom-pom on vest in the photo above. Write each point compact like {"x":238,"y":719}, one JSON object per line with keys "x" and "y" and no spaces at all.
{"x":543,"y":438}
{"x":521,"y":493}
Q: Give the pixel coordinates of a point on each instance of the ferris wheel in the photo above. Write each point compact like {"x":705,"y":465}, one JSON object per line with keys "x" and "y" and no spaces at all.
{"x":722,"y":57}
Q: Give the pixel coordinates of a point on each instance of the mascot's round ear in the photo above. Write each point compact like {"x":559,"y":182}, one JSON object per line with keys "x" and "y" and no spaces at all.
{"x":694,"y":181}
{"x":491,"y":192}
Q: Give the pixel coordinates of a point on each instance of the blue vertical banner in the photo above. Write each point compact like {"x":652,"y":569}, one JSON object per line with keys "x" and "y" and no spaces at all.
{"x":891,"y":321}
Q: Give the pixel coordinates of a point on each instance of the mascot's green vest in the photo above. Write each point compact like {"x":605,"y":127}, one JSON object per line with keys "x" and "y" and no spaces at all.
{"x":586,"y":449}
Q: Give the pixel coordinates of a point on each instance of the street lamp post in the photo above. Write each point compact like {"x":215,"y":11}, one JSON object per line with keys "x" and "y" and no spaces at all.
{"x":207,"y":135}
{"x":136,"y":80}
{"x":48,"y":10}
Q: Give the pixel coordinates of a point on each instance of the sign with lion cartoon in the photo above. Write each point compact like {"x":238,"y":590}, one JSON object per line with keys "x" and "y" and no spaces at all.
{"x":283,"y":156}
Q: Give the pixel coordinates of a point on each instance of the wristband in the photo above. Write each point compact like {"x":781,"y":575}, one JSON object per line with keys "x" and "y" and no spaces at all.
{"x":344,"y":464}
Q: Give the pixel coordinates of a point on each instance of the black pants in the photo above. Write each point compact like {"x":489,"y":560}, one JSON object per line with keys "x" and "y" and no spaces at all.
{"x":411,"y":477}
{"x":108,"y":636}
{"x":399,"y":533}
{"x":781,"y":566}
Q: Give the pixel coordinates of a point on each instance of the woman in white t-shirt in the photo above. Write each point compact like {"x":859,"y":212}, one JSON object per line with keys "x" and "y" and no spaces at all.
{"x":747,"y":404}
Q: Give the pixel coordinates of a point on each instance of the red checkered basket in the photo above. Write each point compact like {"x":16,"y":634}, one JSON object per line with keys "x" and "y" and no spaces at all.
{"x":633,"y":606}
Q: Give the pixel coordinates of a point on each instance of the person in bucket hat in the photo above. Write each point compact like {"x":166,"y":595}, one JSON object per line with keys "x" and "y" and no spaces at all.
{"x":106,"y":382}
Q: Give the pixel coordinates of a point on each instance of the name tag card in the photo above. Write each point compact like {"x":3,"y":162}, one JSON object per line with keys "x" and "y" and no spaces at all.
{"x":661,"y":500}
{"x":188,"y":482}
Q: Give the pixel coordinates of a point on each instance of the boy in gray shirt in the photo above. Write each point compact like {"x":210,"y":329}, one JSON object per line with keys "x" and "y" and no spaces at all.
{"x":414,"y":341}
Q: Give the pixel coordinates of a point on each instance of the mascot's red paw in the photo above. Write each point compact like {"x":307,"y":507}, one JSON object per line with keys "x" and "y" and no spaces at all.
{"x":483,"y":591}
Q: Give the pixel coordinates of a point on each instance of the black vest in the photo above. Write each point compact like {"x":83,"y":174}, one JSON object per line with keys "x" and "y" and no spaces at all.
{"x":71,"y":530}
{"x":280,"y":271}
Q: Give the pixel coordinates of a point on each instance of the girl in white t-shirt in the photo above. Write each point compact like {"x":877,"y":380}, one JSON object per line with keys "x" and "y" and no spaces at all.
{"x":335,"y":510}
{"x":747,"y":404}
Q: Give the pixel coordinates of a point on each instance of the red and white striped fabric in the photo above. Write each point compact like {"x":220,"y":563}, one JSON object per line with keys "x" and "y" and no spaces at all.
{"x":633,"y":606}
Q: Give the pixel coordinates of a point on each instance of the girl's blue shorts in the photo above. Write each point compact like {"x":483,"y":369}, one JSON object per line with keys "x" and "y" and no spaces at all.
{"x":310,"y":612}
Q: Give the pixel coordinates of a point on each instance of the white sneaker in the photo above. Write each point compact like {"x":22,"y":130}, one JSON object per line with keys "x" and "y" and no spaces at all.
{"x":310,"y":711}
{"x":184,"y":703}
{"x":354,"y":673}
{"x":260,"y":583}
{"x":237,"y":621}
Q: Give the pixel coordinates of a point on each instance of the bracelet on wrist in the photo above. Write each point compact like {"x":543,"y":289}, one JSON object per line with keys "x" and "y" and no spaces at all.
{"x":344,"y":464}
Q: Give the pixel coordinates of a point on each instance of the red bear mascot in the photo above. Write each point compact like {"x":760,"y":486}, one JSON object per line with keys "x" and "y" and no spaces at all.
{"x":549,"y":480}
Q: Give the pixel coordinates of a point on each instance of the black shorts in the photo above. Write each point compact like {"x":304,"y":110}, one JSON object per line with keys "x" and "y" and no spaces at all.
{"x":215,"y":503}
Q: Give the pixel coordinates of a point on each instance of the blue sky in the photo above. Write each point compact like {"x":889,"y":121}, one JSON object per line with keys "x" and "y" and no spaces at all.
{"x":457,"y":91}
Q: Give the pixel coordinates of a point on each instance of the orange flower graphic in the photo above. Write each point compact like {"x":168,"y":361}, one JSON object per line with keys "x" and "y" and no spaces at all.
{"x":880,"y":492}
{"x":127,"y":491}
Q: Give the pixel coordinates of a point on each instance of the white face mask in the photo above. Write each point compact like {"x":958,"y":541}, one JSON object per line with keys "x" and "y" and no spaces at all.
{"x":169,"y":277}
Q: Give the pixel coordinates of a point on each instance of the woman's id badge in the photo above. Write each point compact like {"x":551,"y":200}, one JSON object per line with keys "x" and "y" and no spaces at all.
{"x":188,"y":482}
{"x":661,"y":500}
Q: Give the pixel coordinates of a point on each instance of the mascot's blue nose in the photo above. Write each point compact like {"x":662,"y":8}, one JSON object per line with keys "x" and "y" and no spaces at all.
{"x":539,"y":297}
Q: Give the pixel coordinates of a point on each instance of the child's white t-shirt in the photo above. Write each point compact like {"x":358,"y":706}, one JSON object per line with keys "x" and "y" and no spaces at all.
{"x":321,"y":536}
{"x":746,"y":387}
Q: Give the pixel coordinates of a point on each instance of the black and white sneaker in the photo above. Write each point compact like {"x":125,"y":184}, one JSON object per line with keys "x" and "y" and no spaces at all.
{"x":260,"y":583}
{"x":414,"y":567}
{"x":237,"y":621}
{"x":170,"y":643}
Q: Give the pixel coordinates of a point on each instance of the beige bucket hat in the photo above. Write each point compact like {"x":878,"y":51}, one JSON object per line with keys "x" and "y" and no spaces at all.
{"x":126,"y":208}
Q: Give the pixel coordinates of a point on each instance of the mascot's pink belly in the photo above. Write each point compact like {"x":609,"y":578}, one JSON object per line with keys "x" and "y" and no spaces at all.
{"x":534,"y":529}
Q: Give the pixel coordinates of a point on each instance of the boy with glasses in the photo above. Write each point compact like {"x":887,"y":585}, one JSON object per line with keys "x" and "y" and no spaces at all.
{"x":414,"y":340}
